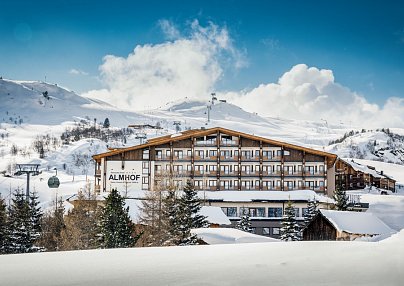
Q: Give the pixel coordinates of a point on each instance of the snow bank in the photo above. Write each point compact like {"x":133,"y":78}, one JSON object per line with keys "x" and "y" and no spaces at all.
{"x":282,"y":263}
{"x":229,"y":236}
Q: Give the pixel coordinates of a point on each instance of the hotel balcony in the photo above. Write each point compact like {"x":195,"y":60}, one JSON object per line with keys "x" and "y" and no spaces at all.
{"x":249,"y":173}
{"x":230,"y":174}
{"x":293,"y":174}
{"x":206,"y":143}
{"x":225,"y":158}
{"x":250,"y":158}
{"x":314,"y":174}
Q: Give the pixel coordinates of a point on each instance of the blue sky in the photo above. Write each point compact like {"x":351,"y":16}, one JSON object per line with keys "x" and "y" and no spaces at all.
{"x":361,"y":42}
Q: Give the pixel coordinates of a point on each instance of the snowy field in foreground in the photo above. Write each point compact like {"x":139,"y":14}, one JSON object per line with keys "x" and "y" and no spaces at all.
{"x":283,"y":263}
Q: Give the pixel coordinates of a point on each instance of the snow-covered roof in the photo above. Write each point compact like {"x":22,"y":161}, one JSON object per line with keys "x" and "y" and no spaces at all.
{"x":364,"y":169}
{"x":356,"y":222}
{"x":229,"y":236}
{"x":250,"y":196}
{"x":214,"y":215}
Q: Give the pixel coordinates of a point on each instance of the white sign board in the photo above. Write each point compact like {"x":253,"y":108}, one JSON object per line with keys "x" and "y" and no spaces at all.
{"x":127,"y":178}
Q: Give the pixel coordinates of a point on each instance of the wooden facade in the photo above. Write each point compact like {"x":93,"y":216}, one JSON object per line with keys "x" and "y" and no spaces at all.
{"x":320,"y":228}
{"x":221,"y":159}
{"x":353,"y":176}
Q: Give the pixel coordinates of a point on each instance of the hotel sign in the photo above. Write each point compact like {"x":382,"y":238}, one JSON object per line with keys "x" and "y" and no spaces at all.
{"x":125,"y":175}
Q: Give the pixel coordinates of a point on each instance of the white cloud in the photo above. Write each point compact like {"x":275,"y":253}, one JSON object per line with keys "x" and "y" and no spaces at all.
{"x":169,"y":29}
{"x":312,"y":94}
{"x":152,"y":75}
{"x":77,"y":72}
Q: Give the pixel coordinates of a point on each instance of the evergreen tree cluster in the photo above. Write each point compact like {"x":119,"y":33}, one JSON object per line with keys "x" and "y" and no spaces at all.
{"x":83,"y":131}
{"x":170,"y":217}
{"x":20,"y":224}
{"x":290,"y":230}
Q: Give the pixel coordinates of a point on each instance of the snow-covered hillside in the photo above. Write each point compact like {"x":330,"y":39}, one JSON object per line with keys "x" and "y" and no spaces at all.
{"x":378,"y":145}
{"x":42,"y":103}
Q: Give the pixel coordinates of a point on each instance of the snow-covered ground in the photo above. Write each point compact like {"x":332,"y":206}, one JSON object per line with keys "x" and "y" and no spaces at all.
{"x":281,"y":263}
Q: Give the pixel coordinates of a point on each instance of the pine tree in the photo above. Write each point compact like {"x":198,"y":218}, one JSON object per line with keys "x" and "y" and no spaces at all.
{"x":24,"y":223}
{"x":36,"y":215}
{"x":341,"y":199}
{"x":312,"y":210}
{"x":171,"y":214}
{"x":116,"y":227}
{"x":3,"y":226}
{"x":106,"y":123}
{"x":290,"y":230}
{"x":244,"y":223}
{"x":81,"y":228}
{"x":190,"y":205}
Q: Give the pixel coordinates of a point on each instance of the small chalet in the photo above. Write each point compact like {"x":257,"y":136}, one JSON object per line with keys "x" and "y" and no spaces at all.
{"x":344,"y":225}
{"x":353,"y":175}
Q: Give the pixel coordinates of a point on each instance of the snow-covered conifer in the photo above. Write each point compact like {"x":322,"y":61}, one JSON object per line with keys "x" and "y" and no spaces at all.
{"x":290,"y":230}
{"x":312,"y":209}
{"x":244,"y":223}
{"x":341,"y":199}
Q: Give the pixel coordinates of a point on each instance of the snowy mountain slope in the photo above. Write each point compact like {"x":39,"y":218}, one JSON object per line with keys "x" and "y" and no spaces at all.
{"x":47,"y":104}
{"x":379,"y":145}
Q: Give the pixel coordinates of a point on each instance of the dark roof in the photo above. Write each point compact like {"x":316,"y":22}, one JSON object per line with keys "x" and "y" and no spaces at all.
{"x":203,"y":132}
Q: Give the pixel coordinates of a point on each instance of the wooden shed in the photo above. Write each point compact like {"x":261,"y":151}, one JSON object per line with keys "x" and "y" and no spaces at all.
{"x":344,"y":225}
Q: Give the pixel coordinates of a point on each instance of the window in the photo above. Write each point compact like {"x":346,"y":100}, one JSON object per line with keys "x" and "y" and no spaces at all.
{"x":261,"y":212}
{"x":168,"y":153}
{"x":243,"y":211}
{"x":304,"y":211}
{"x":274,"y":212}
{"x":212,"y":183}
{"x":276,"y":231}
{"x":296,"y":212}
{"x":159,"y":154}
{"x":146,"y":154}
{"x":230,"y":211}
{"x":212,"y":153}
{"x":236,"y":153}
{"x":267,"y":154}
{"x":212,"y":168}
{"x":178,"y":154}
{"x":145,"y":180}
{"x":279,"y":153}
{"x":199,"y":168}
{"x":265,"y":231}
{"x":158,"y":168}
{"x":257,"y":153}
{"x":189,"y":153}
{"x":145,"y":167}
{"x":286,"y":153}
{"x":199,"y":153}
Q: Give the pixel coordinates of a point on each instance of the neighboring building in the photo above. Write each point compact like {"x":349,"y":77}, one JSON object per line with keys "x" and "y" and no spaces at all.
{"x":352,"y":176}
{"x":344,"y":225}
{"x":216,"y":159}
{"x":264,"y":208}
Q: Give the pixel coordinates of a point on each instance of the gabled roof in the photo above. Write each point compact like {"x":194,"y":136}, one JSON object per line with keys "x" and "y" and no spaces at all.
{"x":356,"y":222}
{"x":203,"y":132}
{"x":367,"y":169}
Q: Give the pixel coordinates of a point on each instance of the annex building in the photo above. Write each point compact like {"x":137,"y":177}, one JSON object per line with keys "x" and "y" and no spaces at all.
{"x":216,"y":159}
